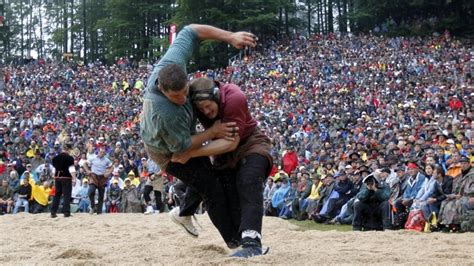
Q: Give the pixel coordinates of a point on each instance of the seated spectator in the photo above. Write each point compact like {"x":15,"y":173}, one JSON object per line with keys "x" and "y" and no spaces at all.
{"x":347,"y":211}
{"x":84,"y":201}
{"x":460,"y":201}
{"x":24,"y":194}
{"x":430,"y":202}
{"x":286,"y":211}
{"x":6,"y":198}
{"x":40,"y":196}
{"x":129,"y":198}
{"x":371,"y":208}
{"x":267,"y":199}
{"x":278,"y":199}
{"x":133,"y":179}
{"x":307,"y":185}
{"x":113,"y":197}
{"x":326,"y":193}
{"x":345,"y":189}
{"x":413,"y":184}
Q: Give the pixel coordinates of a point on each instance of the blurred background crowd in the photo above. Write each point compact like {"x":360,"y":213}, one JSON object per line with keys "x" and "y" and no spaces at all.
{"x":371,"y":131}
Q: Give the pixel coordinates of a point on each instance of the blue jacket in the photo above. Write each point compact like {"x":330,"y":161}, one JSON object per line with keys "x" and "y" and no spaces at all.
{"x":412,"y":189}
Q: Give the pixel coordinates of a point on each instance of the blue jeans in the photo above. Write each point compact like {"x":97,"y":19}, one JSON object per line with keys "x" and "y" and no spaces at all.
{"x":21,"y":202}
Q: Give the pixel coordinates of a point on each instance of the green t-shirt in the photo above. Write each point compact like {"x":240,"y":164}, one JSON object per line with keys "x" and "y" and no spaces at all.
{"x":166,"y":128}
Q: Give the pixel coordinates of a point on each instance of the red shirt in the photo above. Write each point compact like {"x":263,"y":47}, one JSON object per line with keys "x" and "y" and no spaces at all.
{"x":233,"y":108}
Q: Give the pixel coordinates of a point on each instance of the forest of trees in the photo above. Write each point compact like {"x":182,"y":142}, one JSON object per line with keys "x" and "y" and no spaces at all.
{"x":138,"y":29}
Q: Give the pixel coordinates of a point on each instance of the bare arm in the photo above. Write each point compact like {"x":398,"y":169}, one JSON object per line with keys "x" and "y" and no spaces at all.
{"x":239,"y":39}
{"x":216,"y":147}
{"x":217,"y":131}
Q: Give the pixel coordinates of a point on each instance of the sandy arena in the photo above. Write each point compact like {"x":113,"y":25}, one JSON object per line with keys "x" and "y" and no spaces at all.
{"x":138,"y":239}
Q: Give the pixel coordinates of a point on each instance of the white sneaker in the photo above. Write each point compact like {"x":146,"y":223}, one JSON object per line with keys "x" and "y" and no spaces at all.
{"x":184,"y":221}
{"x":149,"y":210}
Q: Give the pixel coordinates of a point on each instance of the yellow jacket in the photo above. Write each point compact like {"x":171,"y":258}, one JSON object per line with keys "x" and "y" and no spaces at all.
{"x":315,"y":191}
{"x":39,"y":193}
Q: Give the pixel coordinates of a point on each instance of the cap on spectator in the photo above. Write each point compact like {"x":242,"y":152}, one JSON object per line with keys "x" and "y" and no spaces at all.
{"x":412,"y":166}
{"x":464,"y":159}
{"x":143,"y":159}
{"x":131,"y":173}
{"x":371,"y":176}
{"x":115,"y":181}
{"x":450,"y":141}
{"x":338,"y":174}
{"x":120,"y":166}
{"x":127,"y":180}
{"x":118,"y":143}
{"x":85,"y":180}
{"x":348,"y":167}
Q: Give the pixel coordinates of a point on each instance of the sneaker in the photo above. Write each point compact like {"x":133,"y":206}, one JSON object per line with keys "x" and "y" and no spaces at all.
{"x":54,"y":215}
{"x":184,"y":221}
{"x":91,"y":210}
{"x":149,"y":210}
{"x":250,"y":248}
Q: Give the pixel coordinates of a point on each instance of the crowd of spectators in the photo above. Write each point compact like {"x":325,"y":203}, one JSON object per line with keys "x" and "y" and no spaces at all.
{"x":365,"y":129}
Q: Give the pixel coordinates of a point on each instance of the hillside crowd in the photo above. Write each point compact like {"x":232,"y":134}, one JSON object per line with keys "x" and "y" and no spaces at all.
{"x":371,"y":131}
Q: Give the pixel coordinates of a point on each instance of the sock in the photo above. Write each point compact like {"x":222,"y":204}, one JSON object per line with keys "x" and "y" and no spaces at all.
{"x":251,"y":234}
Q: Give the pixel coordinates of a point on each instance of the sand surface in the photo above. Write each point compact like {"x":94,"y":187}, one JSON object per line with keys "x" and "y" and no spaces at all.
{"x":139,"y":240}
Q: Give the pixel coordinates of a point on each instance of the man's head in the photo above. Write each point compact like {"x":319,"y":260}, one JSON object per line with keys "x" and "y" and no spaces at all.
{"x":173,"y":83}
{"x":205,"y":96}
{"x":412,"y":169}
{"x":101,"y":152}
{"x":465,"y":163}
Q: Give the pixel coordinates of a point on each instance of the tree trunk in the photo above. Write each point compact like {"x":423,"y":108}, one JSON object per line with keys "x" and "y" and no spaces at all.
{"x":41,"y":42}
{"x":330,"y":16}
{"x":84,"y":30}
{"x":65,"y":26}
{"x":345,"y":17}
{"x":320,"y":16}
{"x":351,"y":10}
{"x":72,"y":23}
{"x":287,"y":26}
{"x":309,"y":6}
{"x":280,"y":19}
{"x":22,"y":47}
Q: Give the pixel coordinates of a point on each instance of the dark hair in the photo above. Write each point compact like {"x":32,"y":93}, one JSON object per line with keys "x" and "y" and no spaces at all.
{"x":439,"y":169}
{"x":172,"y":77}
{"x":202,"y":89}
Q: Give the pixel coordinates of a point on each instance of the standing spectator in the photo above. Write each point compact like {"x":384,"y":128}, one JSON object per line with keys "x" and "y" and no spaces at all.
{"x":65,"y":173}
{"x":155,"y":183}
{"x":100,"y":167}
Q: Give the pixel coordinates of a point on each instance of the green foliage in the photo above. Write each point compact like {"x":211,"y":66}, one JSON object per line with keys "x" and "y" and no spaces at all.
{"x":414,"y":17}
{"x":139,"y":28}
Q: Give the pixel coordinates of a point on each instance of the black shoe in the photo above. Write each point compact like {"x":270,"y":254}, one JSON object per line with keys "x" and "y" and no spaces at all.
{"x":233,"y":244}
{"x":66,"y":215}
{"x":250,"y":248}
{"x":54,"y":215}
